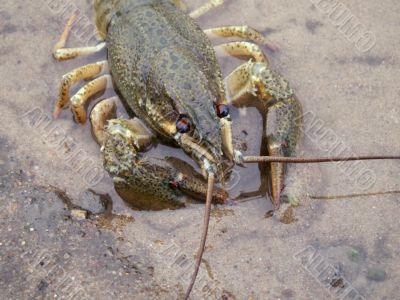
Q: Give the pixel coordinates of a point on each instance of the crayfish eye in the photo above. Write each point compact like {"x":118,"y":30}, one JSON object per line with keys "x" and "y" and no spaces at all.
{"x":222,"y":110}
{"x":183,"y":124}
{"x":174,"y":185}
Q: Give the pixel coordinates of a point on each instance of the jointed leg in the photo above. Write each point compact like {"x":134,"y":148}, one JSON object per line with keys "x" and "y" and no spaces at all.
{"x":244,"y":32}
{"x":205,"y":8}
{"x":105,"y":112}
{"x":61,"y":53}
{"x":257,"y":79}
{"x":68,"y":80}
{"x":101,"y":113}
{"x":181,"y":4}
{"x":79,"y":100}
{"x":239,"y":49}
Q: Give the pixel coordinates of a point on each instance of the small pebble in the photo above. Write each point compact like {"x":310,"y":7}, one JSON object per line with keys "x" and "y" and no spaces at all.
{"x":288,"y":216}
{"x":79,"y":214}
{"x":269,"y":214}
{"x":294,"y":202}
{"x":376,"y":274}
{"x":227,"y":295}
{"x":288,"y":293}
{"x":354,"y":255}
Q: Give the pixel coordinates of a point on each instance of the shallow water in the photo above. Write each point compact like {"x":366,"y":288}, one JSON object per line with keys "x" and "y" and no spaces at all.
{"x":349,"y":98}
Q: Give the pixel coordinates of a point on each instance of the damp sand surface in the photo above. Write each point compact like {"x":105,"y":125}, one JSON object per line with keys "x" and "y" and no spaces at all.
{"x":66,"y":233}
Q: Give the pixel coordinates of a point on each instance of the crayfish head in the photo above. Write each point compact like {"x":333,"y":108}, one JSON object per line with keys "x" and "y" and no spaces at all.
{"x":208,"y":156}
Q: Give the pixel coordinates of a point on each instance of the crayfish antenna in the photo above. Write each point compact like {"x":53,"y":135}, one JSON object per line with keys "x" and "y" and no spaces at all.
{"x":306,"y":160}
{"x":200,"y":252}
{"x":338,"y":197}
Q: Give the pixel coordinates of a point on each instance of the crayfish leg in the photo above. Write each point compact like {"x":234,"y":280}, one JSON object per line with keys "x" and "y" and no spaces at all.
{"x":205,"y":8}
{"x":101,"y":113}
{"x":68,"y":80}
{"x":62,"y":53}
{"x":244,"y":32}
{"x":241,"y":49}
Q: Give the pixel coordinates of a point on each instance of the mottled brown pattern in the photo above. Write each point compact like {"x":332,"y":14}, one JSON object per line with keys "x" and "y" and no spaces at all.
{"x":164,"y":67}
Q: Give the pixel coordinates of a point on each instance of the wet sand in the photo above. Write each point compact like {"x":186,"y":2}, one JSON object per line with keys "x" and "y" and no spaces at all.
{"x":323,"y":249}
